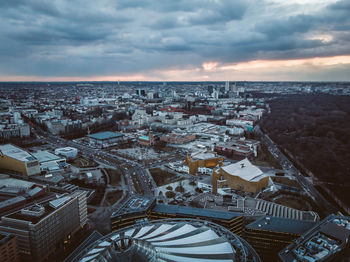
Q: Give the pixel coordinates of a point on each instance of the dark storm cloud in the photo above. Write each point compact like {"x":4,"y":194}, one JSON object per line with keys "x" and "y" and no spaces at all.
{"x":343,"y":5}
{"x":276,"y":28}
{"x":222,"y":11}
{"x":81,"y":38}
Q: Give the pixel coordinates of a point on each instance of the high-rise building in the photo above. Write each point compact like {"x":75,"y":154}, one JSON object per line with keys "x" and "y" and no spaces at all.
{"x":210,"y":89}
{"x":227,"y":86}
{"x":140,"y":92}
{"x":82,"y":201}
{"x":215,"y":94}
{"x":40,"y":229}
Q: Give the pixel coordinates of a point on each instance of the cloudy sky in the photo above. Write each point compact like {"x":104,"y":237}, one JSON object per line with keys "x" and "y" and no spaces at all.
{"x":63,"y":40}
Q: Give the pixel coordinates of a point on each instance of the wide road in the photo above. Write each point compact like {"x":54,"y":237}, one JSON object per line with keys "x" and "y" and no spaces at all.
{"x":288,"y":167}
{"x":145,"y":179}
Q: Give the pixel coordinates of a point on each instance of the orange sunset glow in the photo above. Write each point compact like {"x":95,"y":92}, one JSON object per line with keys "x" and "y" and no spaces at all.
{"x":258,"y":70}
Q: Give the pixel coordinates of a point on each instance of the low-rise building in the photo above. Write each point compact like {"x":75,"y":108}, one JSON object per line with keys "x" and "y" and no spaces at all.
{"x":238,"y":148}
{"x":146,"y":140}
{"x":106,"y":139}
{"x":247,"y":123}
{"x":49,"y":162}
{"x":67,"y":152}
{"x":14,"y":130}
{"x":178,"y":138}
{"x":16,"y":159}
{"x":242,"y":175}
{"x":203,"y":159}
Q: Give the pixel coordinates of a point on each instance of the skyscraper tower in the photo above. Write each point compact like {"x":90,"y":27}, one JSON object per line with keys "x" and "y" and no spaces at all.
{"x":227,"y":86}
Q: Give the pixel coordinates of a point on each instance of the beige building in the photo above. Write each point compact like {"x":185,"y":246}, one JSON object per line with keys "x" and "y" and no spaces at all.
{"x":242,"y":175}
{"x":203,"y":159}
{"x":16,"y":159}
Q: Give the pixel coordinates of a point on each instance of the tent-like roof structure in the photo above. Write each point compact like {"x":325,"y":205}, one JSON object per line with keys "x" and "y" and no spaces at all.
{"x":245,"y":170}
{"x":171,"y":240}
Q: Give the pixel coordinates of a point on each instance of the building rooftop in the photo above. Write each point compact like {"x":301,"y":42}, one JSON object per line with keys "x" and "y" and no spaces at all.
{"x":286,"y":225}
{"x":243,"y":169}
{"x":106,"y":135}
{"x":171,"y":240}
{"x":203,"y":155}
{"x":45,"y":156}
{"x":49,"y":178}
{"x":16,"y":153}
{"x":334,"y":231}
{"x":49,"y":207}
{"x":323,"y":242}
{"x":66,"y":149}
{"x":12,"y":201}
{"x":195,"y":212}
{"x":13,"y":182}
{"x":135,"y":204}
{"x":59,"y":202}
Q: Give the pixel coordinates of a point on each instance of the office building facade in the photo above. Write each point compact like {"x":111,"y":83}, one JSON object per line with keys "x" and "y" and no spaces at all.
{"x":41,"y":229}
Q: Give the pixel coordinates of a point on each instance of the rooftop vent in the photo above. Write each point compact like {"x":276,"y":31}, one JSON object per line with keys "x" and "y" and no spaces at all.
{"x":33,"y":211}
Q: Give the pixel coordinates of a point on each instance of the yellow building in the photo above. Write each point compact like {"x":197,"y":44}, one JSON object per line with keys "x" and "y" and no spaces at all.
{"x":242,"y":175}
{"x":16,"y":159}
{"x":203,"y":159}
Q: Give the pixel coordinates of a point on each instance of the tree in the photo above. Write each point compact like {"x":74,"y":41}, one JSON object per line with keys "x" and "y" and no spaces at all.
{"x":180,"y":189}
{"x":170,"y":194}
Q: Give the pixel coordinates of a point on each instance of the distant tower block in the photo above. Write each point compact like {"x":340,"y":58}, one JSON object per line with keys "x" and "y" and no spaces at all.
{"x":233,"y":86}
{"x":227,"y":86}
{"x":215,"y":94}
{"x":89,"y":135}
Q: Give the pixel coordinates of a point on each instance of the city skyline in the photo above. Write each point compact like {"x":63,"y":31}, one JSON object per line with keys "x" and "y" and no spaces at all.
{"x":179,"y":41}
{"x":176,"y":171}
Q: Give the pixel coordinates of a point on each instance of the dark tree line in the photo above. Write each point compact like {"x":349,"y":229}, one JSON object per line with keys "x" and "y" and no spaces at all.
{"x":316,"y":130}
